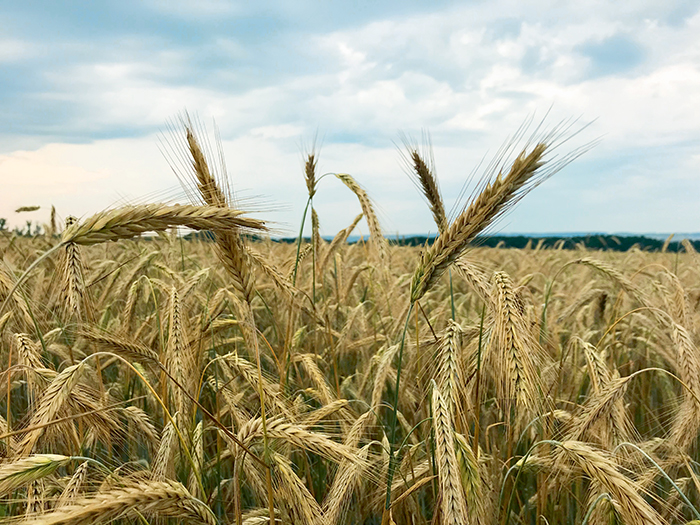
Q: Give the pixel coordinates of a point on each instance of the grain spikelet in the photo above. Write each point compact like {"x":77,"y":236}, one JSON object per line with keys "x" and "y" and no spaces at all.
{"x":448,"y":374}
{"x":493,"y":200}
{"x":310,"y":173}
{"x":198,"y":457}
{"x":616,"y":276}
{"x":131,"y":221}
{"x":153,"y":498}
{"x":300,"y":504}
{"x":179,"y":359}
{"x":616,"y":427}
{"x":164,"y":463}
{"x":340,"y":238}
{"x":271,"y":271}
{"x":580,"y":302}
{"x":23,"y":471}
{"x":298,"y":436}
{"x":28,"y":355}
{"x":422,"y":171}
{"x":471,"y":479}
{"x":309,"y":364}
{"x":600,"y":406}
{"x":122,"y":346}
{"x":606,"y":477}
{"x":141,"y":424}
{"x":453,"y":503}
{"x":74,"y":486}
{"x":346,"y":480}
{"x":685,"y":427}
{"x":475,"y":277}
{"x":52,"y":400}
{"x":4,"y":319}
{"x":384,"y":359}
{"x":35,"y":497}
{"x":378,"y":241}
{"x":230,"y":246}
{"x":73,"y":291}
{"x":512,"y":349}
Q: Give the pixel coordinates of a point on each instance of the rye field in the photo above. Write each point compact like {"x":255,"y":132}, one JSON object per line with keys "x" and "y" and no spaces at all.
{"x":228,"y":379}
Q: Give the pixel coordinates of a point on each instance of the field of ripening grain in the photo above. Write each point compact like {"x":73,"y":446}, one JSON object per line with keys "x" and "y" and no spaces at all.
{"x":173,"y":380}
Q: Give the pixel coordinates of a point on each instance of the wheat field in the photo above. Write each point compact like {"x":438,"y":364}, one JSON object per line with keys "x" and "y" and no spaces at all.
{"x":228,"y":379}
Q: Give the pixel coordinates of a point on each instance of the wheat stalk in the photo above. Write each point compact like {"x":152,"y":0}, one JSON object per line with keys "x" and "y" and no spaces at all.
{"x":453,"y":504}
{"x":495,"y":198}
{"x":158,"y":498}
{"x":422,"y":171}
{"x":377,"y":238}
{"x":604,"y":474}
{"x":21,"y":472}
{"x":131,"y":221}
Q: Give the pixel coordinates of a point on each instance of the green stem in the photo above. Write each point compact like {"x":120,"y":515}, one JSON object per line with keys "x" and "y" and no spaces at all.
{"x":392,"y":458}
{"x":600,"y":498}
{"x":663,"y":473}
{"x":301,"y":233}
{"x":477,"y":415}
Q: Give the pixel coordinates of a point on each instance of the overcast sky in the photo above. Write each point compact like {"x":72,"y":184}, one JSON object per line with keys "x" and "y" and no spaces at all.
{"x":86,"y":87}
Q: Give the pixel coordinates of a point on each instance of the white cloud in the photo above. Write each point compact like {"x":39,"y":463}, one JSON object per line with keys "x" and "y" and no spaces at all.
{"x":12,"y":50}
{"x":471,"y":74}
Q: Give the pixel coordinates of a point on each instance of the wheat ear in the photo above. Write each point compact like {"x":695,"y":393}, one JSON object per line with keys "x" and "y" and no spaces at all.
{"x":301,"y":505}
{"x":120,"y":345}
{"x":159,"y":498}
{"x":163,"y":466}
{"x":340,"y":238}
{"x":604,"y":474}
{"x":453,"y":504}
{"x":421,"y":168}
{"x":513,"y":352}
{"x":495,"y":198}
{"x":687,"y":423}
{"x":131,"y":221}
{"x":74,"y":486}
{"x":448,"y":375}
{"x":379,"y":242}
{"x":23,"y":471}
{"x":298,"y":436}
{"x":74,"y":292}
{"x":52,"y":400}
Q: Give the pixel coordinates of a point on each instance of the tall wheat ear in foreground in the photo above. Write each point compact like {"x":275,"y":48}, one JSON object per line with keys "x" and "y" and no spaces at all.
{"x":224,"y":378}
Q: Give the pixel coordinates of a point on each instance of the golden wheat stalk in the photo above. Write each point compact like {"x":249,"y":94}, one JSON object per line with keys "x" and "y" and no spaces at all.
{"x":605,"y":475}
{"x":340,"y":238}
{"x":514,"y":352}
{"x":300,"y":504}
{"x":163,"y":466}
{"x":495,"y":198}
{"x":131,"y":221}
{"x":153,"y":498}
{"x":421,"y":168}
{"x":122,"y":346}
{"x":453,"y":504}
{"x":298,"y":436}
{"x":52,"y":400}
{"x":74,"y":486}
{"x":15,"y":474}
{"x":377,"y":238}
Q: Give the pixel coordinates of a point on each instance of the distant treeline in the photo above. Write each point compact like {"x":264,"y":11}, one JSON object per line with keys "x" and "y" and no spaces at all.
{"x":617,"y":243}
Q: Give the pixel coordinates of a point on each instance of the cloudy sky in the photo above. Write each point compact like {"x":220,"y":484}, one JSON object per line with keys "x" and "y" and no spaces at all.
{"x":87,"y":88}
